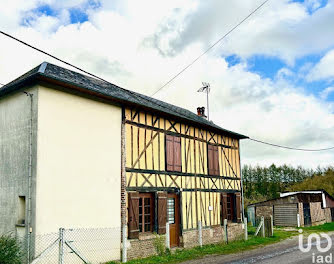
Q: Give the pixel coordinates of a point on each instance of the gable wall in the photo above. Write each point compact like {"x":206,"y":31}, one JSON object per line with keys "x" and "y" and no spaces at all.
{"x":79,"y":162}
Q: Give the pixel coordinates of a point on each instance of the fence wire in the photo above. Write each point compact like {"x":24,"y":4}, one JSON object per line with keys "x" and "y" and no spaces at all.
{"x":73,"y":246}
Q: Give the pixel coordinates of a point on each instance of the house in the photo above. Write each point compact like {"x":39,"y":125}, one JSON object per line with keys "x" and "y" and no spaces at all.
{"x":77,"y":152}
{"x":301,"y":208}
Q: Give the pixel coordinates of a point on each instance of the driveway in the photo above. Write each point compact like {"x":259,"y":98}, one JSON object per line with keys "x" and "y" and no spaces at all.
{"x":283,"y":252}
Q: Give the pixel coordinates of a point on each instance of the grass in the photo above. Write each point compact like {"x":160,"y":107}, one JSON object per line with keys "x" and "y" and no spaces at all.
{"x":320,"y":228}
{"x":216,"y":249}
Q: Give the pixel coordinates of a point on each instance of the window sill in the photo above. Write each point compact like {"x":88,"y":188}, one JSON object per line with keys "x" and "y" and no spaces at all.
{"x":146,"y":236}
{"x":20,"y":225}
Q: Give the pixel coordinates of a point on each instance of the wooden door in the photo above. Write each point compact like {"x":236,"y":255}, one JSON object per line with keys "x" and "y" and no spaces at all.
{"x":173,"y":218}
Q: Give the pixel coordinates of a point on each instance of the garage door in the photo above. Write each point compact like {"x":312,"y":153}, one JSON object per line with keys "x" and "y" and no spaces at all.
{"x":285,"y":215}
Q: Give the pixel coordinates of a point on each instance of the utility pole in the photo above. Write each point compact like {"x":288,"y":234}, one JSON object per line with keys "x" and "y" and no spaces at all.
{"x":206,"y":88}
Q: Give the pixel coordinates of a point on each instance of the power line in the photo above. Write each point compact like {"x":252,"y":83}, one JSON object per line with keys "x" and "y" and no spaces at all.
{"x":291,"y":148}
{"x":208,"y":49}
{"x":52,"y":56}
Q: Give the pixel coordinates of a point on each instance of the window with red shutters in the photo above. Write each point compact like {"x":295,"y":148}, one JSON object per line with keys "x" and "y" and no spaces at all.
{"x":173,"y":153}
{"x":145,"y":212}
{"x":213,"y":160}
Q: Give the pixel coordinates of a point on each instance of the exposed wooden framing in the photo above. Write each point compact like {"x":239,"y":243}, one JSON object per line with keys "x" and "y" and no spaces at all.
{"x":169,"y":132}
{"x":147,"y":158}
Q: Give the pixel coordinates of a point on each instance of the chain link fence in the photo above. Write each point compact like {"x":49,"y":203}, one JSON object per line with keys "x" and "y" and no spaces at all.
{"x":73,"y":246}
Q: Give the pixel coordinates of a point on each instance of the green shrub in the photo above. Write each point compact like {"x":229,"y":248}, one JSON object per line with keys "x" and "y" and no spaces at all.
{"x":159,"y":244}
{"x":10,"y":250}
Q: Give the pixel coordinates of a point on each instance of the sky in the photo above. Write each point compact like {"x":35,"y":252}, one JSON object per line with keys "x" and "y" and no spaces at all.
{"x":272,"y":79}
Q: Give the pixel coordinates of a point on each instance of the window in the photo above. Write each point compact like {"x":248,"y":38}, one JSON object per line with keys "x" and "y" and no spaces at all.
{"x":173,"y":153}
{"x":213,"y":160}
{"x":146,"y":209}
{"x":21,"y":210}
{"x":171,"y":210}
{"x":230,"y":207}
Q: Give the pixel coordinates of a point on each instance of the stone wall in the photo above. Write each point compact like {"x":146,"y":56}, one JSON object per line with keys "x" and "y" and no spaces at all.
{"x":265,"y":210}
{"x":317,"y":214}
{"x":328,"y":215}
{"x":144,"y":246}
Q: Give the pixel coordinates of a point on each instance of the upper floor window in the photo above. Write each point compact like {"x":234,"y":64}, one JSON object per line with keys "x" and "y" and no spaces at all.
{"x":173,"y":153}
{"x":213,"y":160}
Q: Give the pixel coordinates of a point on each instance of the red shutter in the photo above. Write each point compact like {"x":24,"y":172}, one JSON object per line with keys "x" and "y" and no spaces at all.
{"x":216,"y":160}
{"x":133,"y":214}
{"x":238,"y":206}
{"x":177,"y":154}
{"x":162,"y":212}
{"x":224,"y":206}
{"x":169,"y":153}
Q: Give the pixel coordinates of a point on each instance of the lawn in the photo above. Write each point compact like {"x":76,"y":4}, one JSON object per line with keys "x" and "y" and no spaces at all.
{"x":320,"y":228}
{"x":221,"y":249}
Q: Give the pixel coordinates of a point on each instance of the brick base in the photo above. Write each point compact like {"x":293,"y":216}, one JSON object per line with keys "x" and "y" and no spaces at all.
{"x":144,"y":246}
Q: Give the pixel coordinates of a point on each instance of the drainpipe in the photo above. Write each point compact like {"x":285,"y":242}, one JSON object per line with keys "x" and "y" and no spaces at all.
{"x":29,"y":228}
{"x":123,"y":188}
{"x":242,"y":186}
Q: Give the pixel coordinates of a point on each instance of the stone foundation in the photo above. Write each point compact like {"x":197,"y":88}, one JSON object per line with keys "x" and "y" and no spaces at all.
{"x":144,"y":246}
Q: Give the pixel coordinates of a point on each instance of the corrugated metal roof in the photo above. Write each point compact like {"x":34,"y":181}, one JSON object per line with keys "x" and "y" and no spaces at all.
{"x":113,"y":92}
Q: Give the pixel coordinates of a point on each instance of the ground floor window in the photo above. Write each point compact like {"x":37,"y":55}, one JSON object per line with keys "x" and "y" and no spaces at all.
{"x":230,"y":207}
{"x":146,"y":212}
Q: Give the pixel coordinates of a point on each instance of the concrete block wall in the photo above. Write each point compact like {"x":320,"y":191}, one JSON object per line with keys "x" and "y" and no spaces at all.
{"x":265,"y":210}
{"x":317,"y":214}
{"x":328,"y":215}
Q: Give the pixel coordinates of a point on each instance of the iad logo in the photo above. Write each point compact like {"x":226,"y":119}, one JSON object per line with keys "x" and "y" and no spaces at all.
{"x":318,"y":244}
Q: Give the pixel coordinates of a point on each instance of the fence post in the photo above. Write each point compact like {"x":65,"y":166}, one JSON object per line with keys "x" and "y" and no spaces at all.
{"x":246,"y":228}
{"x":200,"y":235}
{"x":167,"y":236}
{"x":225,"y":229}
{"x":298,"y":221}
{"x":263,"y":230}
{"x":124,"y":242}
{"x":61,"y":245}
{"x":272,"y":225}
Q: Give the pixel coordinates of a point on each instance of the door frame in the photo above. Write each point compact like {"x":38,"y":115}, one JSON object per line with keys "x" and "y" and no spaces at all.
{"x":177,"y":216}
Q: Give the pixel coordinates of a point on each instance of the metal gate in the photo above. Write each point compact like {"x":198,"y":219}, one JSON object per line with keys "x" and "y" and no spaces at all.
{"x":285,"y":214}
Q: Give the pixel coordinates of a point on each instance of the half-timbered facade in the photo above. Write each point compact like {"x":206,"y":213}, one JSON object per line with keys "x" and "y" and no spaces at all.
{"x":191,"y":171}
{"x":81,"y":152}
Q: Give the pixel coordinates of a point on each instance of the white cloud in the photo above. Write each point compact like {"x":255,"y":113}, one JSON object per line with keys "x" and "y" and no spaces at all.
{"x":324,"y":70}
{"x":141,"y":44}
{"x":324,"y":94}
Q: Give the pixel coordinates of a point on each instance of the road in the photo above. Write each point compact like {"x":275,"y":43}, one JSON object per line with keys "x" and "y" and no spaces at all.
{"x":284,"y":252}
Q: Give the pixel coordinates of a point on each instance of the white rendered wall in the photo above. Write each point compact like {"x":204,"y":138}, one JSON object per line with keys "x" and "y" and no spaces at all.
{"x":78,"y":163}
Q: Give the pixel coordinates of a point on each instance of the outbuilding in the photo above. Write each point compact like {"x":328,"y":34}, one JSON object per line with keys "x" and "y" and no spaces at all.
{"x":300,"y":208}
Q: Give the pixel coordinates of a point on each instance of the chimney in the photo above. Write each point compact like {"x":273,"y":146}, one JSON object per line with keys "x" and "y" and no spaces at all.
{"x":201,"y":111}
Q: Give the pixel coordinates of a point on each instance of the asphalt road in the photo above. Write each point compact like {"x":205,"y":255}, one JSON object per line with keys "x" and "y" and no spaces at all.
{"x":280,"y":253}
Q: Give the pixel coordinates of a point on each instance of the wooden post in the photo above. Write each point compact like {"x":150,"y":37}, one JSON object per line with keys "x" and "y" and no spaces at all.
{"x":246,"y":228}
{"x":272,"y":225}
{"x":200,"y":237}
{"x":167,"y":236}
{"x":263,"y":230}
{"x":225,"y":231}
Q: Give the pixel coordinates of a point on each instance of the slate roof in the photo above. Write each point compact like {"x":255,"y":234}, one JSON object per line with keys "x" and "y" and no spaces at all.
{"x":53,"y":73}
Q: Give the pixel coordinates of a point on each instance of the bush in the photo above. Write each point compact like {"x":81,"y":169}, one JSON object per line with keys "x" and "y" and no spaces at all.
{"x":159,"y":244}
{"x":10,"y":250}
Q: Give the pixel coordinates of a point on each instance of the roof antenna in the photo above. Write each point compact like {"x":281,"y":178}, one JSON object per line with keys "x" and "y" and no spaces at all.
{"x":206,"y":88}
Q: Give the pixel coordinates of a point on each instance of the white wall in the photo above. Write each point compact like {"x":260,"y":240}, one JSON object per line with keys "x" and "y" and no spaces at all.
{"x":78,"y":163}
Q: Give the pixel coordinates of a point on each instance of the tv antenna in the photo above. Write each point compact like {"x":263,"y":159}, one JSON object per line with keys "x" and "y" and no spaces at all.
{"x":205,"y":89}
